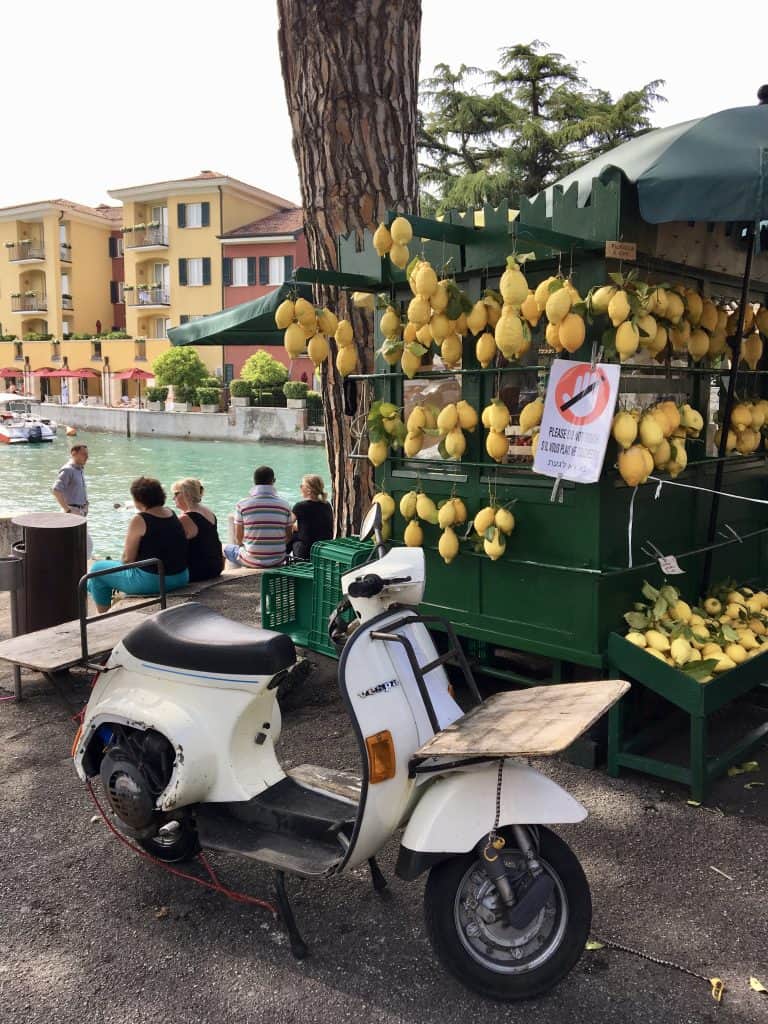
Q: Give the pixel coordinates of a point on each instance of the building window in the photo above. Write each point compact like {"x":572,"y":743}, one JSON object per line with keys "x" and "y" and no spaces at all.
{"x":18,"y":350}
{"x":65,"y":329}
{"x":96,"y":350}
{"x":55,"y":351}
{"x":194,"y":272}
{"x":193,"y":215}
{"x":239,"y":272}
{"x":140,"y":350}
{"x":276,"y":270}
{"x":160,"y":325}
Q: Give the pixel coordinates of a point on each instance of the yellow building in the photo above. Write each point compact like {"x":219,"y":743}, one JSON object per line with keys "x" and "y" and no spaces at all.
{"x":173,"y":264}
{"x":55,"y":273}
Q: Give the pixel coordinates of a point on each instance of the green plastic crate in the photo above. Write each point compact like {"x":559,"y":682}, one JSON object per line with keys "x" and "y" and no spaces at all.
{"x":286,"y":601}
{"x":330,"y":560}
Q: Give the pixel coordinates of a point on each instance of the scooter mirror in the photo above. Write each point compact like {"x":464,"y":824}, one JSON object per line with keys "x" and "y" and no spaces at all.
{"x":372,"y":522}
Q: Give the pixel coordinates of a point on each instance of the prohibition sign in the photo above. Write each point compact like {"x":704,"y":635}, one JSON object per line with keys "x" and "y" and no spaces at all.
{"x":582,"y":394}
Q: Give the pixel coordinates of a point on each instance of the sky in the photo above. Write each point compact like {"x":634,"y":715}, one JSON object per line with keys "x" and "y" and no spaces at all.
{"x":101,"y":95}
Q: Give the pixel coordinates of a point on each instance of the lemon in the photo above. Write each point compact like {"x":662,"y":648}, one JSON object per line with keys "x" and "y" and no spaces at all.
{"x":426,"y":508}
{"x":656,"y":654}
{"x":513,"y":286}
{"x":328,"y":321}
{"x":450,"y":351}
{"x":417,"y":419}
{"x":552,"y":335}
{"x":467,"y":415}
{"x":448,"y":545}
{"x":504,"y":520}
{"x":658,"y":641}
{"x":496,"y":445}
{"x":344,"y":334}
{"x":439,"y":298}
{"x":509,"y":334}
{"x":294,"y":340}
{"x":382,"y":240}
{"x":724,"y":664}
{"x":529,"y":310}
{"x":571,"y":332}
{"x":285,"y":314}
{"x":736,"y":597}
{"x":632,"y":466}
{"x":455,"y":443}
{"x":650,"y":432}
{"x":636,"y":638}
{"x":541,"y":294}
{"x":751,"y":350}
{"x":364,"y":300}
{"x":498,"y":416}
{"x":662,"y":455}
{"x":302,"y":309}
{"x":425,"y":280}
{"x":378,"y":452}
{"x":477,"y":319}
{"x":624,"y":429}
{"x":698,"y":344}
{"x":495,"y":547}
{"x":712,"y":606}
{"x":680,"y":650}
{"x":627,"y":339}
{"x":675,"y":307}
{"x":485,"y":518}
{"x":419,"y":310}
{"x":446,"y":514}
{"x":387,"y":504}
{"x":318,"y":349}
{"x":530,"y":415}
{"x":390,"y":323}
{"x":618,"y":308}
{"x":408,"y":505}
{"x":346,"y":360}
{"x":410,"y":363}
{"x":413,"y":535}
{"x":401,"y":231}
{"x":399,"y":255}
{"x":413,"y":443}
{"x":448,"y":418}
{"x":695,"y":306}
{"x":680,"y":611}
{"x":602,"y":297}
{"x":558,"y":305}
{"x":460,"y":510}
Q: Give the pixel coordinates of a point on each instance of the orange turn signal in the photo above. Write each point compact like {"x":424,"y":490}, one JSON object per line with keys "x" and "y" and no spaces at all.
{"x":76,"y":741}
{"x":381,"y":756}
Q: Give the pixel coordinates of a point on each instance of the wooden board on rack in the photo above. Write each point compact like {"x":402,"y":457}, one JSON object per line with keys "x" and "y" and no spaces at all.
{"x":58,"y":647}
{"x":542,"y":720}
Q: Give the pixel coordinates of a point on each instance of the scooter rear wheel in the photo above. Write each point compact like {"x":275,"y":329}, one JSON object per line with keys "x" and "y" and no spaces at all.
{"x":472,"y":940}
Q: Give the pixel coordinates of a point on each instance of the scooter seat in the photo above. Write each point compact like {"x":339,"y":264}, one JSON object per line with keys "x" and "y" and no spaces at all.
{"x":191,"y":636}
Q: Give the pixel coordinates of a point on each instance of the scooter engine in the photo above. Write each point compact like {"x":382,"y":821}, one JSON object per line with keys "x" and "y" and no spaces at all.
{"x":135,"y":769}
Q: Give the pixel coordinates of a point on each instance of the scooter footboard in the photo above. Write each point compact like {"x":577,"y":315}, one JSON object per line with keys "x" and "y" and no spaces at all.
{"x":459,"y":808}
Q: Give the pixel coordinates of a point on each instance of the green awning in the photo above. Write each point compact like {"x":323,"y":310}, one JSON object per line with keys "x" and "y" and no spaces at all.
{"x":250,"y":323}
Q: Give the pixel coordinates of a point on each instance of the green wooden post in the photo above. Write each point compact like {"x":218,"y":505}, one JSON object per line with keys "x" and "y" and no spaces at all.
{"x":698,"y":756}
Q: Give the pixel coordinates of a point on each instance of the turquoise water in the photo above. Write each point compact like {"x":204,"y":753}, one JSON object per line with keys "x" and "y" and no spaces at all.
{"x":28,"y":472}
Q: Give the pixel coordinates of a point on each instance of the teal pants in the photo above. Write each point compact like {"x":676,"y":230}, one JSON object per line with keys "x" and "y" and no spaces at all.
{"x":130,"y":581}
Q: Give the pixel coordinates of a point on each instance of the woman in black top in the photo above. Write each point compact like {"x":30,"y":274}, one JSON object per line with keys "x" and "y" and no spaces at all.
{"x":154,"y":532}
{"x":313,"y":518}
{"x":205,"y":556}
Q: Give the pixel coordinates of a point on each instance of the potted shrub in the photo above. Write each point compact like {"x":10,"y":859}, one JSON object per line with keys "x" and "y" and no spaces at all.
{"x":156,"y":398}
{"x":183,"y":397}
{"x":208,"y":399}
{"x":240,"y":392}
{"x":295,"y":392}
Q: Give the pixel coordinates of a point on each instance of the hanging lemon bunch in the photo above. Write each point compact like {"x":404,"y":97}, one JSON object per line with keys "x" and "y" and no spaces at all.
{"x":387,"y":504}
{"x":421,"y":421}
{"x":385,"y":430}
{"x":415,"y":505}
{"x":452,"y":421}
{"x":493,"y":524}
{"x":346,"y":355}
{"x":450,"y":513}
{"x":306,"y":329}
{"x":653,"y":439}
{"x":393,"y":241}
{"x":496,"y":419}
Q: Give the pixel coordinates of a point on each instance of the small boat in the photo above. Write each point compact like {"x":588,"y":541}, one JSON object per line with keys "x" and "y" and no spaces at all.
{"x":18,"y":423}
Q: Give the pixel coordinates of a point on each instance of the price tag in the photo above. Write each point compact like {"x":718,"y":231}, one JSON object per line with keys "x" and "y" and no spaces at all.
{"x":621,"y":250}
{"x":668,"y":565}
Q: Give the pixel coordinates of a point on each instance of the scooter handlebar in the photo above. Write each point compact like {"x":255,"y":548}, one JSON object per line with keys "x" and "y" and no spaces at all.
{"x":368,"y":586}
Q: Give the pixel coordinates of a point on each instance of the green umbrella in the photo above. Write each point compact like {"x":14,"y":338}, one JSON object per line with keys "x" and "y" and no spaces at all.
{"x":250,"y":323}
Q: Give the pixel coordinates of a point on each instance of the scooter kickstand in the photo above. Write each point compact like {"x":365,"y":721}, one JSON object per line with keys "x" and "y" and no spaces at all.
{"x":379,"y":881}
{"x":298,"y":945}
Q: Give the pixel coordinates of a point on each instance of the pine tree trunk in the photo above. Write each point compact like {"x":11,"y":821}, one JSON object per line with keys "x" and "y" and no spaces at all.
{"x":350,"y":69}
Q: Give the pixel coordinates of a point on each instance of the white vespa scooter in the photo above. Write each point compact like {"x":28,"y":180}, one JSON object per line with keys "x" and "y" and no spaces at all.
{"x":181,"y":730}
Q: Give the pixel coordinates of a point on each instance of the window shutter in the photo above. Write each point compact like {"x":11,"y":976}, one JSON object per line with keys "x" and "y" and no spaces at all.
{"x":226,"y":270}
{"x":263,"y":269}
{"x":206,"y":269}
{"x":288,"y":261}
{"x":114,"y":291}
{"x":113,"y":248}
{"x":182,"y":272}
{"x":205,"y":214}
{"x":181,"y":211}
{"x":251,"y":270}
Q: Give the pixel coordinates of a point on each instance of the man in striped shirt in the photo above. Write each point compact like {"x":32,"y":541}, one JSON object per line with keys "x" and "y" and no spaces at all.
{"x":263,"y":523}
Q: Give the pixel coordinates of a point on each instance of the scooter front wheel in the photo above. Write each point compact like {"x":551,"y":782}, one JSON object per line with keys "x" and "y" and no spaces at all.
{"x":474,"y":942}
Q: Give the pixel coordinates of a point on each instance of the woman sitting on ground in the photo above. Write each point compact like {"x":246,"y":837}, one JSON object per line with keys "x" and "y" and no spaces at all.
{"x":206,"y":560}
{"x":313,"y":518}
{"x":154,"y":532}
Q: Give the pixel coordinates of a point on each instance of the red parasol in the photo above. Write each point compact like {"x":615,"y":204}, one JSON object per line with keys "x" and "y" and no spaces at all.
{"x":44,"y":371}
{"x":10,"y":371}
{"x":134,"y":374}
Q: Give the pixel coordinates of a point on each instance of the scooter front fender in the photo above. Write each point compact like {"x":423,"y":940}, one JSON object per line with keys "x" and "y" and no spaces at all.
{"x":459,"y":808}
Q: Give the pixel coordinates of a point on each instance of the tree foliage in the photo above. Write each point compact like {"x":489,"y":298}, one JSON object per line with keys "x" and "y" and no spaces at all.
{"x":181,"y":367}
{"x":485,"y":136}
{"x":263,"y":370}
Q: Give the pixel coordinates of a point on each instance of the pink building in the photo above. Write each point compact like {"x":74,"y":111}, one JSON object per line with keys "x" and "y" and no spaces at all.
{"x":257,"y":258}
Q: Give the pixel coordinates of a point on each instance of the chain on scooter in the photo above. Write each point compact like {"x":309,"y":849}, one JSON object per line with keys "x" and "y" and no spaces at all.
{"x":496,"y":843}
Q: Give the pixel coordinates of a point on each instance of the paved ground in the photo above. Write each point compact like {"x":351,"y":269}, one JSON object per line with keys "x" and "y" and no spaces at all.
{"x":90,"y":932}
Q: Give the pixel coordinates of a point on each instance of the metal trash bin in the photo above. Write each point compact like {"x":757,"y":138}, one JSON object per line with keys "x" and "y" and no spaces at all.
{"x":53,"y":555}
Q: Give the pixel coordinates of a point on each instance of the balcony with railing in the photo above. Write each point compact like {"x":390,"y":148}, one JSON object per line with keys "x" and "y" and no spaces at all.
{"x":28,"y":251}
{"x":147,"y":296}
{"x":147,"y":238}
{"x":65,"y":252}
{"x":30,"y":302}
